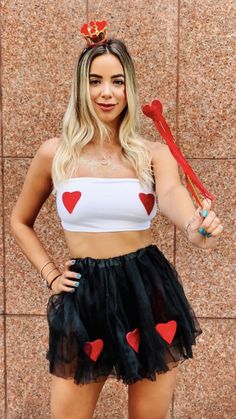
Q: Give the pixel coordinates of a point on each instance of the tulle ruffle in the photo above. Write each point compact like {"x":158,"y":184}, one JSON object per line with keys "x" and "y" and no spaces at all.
{"x":129,"y":318}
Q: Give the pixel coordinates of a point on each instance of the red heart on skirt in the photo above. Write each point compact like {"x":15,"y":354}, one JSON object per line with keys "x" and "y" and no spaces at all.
{"x":133,"y":339}
{"x":70,"y":200}
{"x":167,"y":330}
{"x":147,"y":201}
{"x":93,"y":349}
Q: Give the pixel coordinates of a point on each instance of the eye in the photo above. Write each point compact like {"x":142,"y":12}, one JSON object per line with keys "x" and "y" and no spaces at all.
{"x":94,"y":82}
{"x":119,"y":82}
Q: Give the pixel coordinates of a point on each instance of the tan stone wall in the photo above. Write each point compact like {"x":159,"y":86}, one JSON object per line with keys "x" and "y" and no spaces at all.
{"x":183,"y":52}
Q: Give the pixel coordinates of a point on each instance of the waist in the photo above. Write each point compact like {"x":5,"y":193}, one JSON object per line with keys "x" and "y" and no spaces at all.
{"x":106,"y":245}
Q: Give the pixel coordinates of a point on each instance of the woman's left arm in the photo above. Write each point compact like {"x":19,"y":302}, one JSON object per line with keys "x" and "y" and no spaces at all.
{"x":176,"y":203}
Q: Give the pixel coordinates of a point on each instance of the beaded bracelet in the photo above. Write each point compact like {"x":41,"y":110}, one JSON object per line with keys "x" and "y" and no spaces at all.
{"x":50,"y":285}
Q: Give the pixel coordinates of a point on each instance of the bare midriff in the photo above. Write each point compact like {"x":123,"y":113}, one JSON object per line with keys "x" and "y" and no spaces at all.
{"x":106,"y":245}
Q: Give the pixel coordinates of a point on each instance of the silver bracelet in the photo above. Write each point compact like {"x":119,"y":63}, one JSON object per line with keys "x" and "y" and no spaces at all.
{"x":186,"y":230}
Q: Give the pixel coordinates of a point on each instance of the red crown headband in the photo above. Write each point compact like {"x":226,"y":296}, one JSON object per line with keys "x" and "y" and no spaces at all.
{"x":95,"y":33}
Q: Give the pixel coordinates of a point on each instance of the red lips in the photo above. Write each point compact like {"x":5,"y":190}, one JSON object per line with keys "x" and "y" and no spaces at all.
{"x":106,"y":104}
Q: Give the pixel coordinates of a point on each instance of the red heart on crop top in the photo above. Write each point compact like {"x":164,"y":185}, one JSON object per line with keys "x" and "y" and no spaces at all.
{"x":70,"y":200}
{"x":147,"y":201}
{"x":133,"y":339}
{"x":167,"y":330}
{"x":93,"y":349}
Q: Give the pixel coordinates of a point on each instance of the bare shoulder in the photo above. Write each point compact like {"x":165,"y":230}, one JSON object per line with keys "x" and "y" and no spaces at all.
{"x":158,"y":150}
{"x":165,"y":167}
{"x":48,"y":148}
{"x":37,"y":185}
{"x":45,"y":153}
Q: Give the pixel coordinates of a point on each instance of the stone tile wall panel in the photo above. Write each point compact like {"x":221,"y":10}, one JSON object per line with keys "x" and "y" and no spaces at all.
{"x":193,"y":77}
{"x":209,"y":275}
{"x":206,"y":76}
{"x":205,"y":385}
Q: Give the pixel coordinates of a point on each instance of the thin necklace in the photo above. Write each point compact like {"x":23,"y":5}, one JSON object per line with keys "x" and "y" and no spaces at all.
{"x":104,"y":162}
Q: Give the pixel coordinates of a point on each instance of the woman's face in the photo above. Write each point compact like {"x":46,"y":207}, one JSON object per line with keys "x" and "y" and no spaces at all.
{"x":107,"y":88}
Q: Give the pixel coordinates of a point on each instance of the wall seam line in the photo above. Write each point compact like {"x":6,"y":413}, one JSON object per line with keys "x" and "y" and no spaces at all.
{"x":87,"y":10}
{"x":45,"y":316}
{"x":3,"y":230}
{"x":187,"y":158}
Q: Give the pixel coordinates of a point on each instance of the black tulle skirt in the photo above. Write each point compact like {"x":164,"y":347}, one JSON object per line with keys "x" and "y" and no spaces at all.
{"x":129,"y":318}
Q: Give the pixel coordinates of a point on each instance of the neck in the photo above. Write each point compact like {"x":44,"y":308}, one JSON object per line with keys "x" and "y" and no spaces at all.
{"x":112,"y":138}
{"x":106,"y":143}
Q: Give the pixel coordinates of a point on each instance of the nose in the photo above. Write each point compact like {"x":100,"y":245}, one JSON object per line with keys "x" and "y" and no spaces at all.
{"x":106,"y":90}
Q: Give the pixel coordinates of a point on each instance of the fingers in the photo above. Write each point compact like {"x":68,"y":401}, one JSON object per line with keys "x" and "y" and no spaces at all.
{"x":217,"y":231}
{"x":68,"y":280}
{"x":211,"y":224}
{"x":69,"y":263}
{"x":206,"y":205}
{"x":196,"y":220}
{"x":205,"y":221}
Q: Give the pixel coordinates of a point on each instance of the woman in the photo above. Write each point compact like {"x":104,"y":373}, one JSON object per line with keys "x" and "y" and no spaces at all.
{"x":118,"y":309}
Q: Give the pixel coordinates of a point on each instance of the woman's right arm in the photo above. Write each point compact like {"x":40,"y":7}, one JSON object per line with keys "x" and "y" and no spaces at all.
{"x":36,"y":189}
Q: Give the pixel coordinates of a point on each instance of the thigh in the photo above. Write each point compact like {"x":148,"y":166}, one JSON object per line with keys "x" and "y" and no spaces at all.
{"x":70,"y":400}
{"x":151,"y":399}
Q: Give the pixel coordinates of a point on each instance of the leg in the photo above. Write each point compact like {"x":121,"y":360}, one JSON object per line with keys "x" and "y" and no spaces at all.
{"x":72,"y":401}
{"x":151,"y":399}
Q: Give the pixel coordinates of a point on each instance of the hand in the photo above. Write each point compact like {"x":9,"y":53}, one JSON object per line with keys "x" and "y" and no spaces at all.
{"x":205,"y":227}
{"x":62,"y":283}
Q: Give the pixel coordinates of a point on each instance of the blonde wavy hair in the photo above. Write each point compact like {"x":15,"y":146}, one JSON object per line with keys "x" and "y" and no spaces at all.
{"x":80,"y":120}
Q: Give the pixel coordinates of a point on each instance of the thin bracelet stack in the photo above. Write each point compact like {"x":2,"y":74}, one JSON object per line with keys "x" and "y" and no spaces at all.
{"x":50,"y":270}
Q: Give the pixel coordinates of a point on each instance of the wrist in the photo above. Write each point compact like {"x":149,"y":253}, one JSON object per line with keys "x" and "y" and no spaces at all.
{"x":51,"y":276}
{"x":191,"y":235}
{"x":49,"y":284}
{"x":48,"y":272}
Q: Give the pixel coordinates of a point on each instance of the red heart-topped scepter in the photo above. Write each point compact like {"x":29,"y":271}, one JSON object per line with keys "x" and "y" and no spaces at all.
{"x":154,"y":111}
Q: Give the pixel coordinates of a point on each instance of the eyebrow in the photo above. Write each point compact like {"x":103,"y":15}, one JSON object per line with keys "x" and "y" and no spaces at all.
{"x":112,"y":77}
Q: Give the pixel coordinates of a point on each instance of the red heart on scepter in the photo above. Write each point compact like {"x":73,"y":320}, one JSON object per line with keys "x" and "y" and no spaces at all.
{"x":153,"y":110}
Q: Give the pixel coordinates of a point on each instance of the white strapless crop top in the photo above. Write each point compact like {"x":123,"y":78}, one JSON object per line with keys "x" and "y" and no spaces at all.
{"x":91,"y":204}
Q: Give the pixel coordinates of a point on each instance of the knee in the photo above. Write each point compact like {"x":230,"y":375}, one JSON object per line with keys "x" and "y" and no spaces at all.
{"x":63,"y":408}
{"x":61,"y":411}
{"x":145,"y":410}
{"x":64,"y":411}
